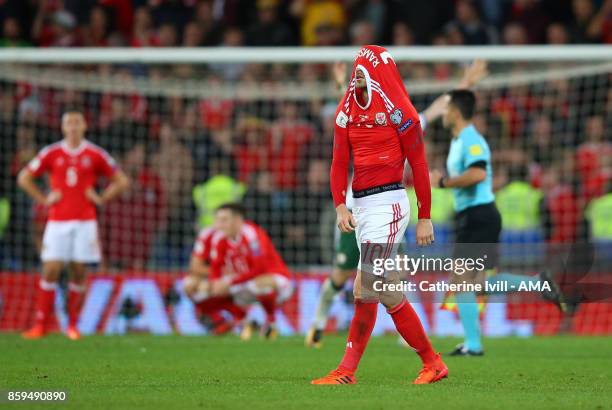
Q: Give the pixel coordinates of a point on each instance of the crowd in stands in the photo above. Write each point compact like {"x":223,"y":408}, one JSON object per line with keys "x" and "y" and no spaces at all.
{"x":194,"y":23}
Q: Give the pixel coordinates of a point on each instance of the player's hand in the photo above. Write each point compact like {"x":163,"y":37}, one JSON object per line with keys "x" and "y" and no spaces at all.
{"x":437,"y":108}
{"x":52,"y":198}
{"x":339,"y":74}
{"x":345,"y":220}
{"x":424,"y":232}
{"x":93,"y":196}
{"x":434,"y":178}
{"x":219,"y":287}
{"x":474,"y":73}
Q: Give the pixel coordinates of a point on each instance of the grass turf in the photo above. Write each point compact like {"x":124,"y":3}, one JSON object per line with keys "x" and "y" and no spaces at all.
{"x":141,"y":371}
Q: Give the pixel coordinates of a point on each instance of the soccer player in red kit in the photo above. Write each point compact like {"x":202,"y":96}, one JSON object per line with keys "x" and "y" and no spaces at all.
{"x":377,"y":123}
{"x":255,"y":268}
{"x":197,"y":286}
{"x":71,"y":232}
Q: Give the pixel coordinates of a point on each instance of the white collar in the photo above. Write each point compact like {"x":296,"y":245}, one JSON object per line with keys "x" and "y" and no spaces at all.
{"x":74,"y":151}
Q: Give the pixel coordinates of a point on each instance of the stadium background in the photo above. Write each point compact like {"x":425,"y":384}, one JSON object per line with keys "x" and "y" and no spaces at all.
{"x":194,"y":135}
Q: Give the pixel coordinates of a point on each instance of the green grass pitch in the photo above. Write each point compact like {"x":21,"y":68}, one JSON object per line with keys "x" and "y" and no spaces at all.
{"x":141,"y":371}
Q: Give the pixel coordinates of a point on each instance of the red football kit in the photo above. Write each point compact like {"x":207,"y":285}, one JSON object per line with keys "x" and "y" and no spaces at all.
{"x":203,"y":245}
{"x":381,"y":129}
{"x":72,"y":172}
{"x":380,"y":135}
{"x":250,"y":255}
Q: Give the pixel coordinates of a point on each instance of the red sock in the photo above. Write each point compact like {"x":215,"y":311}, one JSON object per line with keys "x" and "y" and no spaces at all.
{"x":75,"y":301}
{"x":210,"y":307}
{"x":236,"y":311}
{"x":45,"y":302}
{"x":268,"y":303}
{"x":409,"y":326}
{"x":359,"y":334}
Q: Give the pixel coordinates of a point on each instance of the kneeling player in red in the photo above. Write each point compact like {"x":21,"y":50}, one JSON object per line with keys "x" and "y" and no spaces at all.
{"x":197,"y":286}
{"x":246,"y":266}
{"x":377,"y":124}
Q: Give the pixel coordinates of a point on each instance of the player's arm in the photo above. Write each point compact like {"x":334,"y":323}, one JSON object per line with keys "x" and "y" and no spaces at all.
{"x":473,"y":74}
{"x":26,"y":181}
{"x":339,"y":174}
{"x":338,"y":72}
{"x":198,"y":267}
{"x":119,"y":182}
{"x":473,"y":175}
{"x":413,"y":147}
{"x":475,"y":160}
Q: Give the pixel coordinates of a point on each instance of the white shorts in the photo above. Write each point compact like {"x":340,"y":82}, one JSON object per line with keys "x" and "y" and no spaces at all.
{"x":382,"y":220}
{"x":71,"y":241}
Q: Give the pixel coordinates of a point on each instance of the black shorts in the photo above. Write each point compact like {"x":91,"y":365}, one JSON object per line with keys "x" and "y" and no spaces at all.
{"x":477,"y":231}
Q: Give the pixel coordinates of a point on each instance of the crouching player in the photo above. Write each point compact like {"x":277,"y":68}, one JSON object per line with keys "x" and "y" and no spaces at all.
{"x":197,"y":287}
{"x":246,"y":266}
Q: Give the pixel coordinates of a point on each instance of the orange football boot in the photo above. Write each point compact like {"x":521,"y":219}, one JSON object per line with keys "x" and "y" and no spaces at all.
{"x":337,"y":376}
{"x":36,"y":332}
{"x":73,"y":333}
{"x":433,"y":372}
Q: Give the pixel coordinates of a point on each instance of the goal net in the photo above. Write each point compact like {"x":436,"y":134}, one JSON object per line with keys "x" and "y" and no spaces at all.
{"x":197,"y":128}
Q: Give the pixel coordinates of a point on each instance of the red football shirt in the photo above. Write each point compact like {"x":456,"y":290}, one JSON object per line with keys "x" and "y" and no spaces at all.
{"x":203,"y":245}
{"x":249,"y":255}
{"x":380,"y":133}
{"x":72,"y":172}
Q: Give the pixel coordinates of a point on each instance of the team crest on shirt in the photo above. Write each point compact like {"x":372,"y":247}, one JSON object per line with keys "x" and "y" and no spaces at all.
{"x":396,"y":117}
{"x":381,"y":118}
{"x":59,"y":161}
{"x":86,"y":161}
{"x":341,"y":119}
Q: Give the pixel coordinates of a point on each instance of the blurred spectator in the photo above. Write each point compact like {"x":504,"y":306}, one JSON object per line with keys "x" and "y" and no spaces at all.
{"x":288,"y":137}
{"x":532,"y":16}
{"x":425,"y":18}
{"x":250,"y":150}
{"x":268,"y":30}
{"x":232,"y":37}
{"x":54,"y":27}
{"x":12,"y":34}
{"x":587,"y":22}
{"x":593,"y":162}
{"x":362,"y":33}
{"x":143,"y":34}
{"x":541,"y":132}
{"x":193,"y":36}
{"x":402,"y":35}
{"x":302,"y":232}
{"x":323,"y":21}
{"x":515,"y":35}
{"x":174,"y":164}
{"x":259,"y":201}
{"x":375,"y":13}
{"x":468,"y":22}
{"x":129,"y":224}
{"x":557,"y":34}
{"x":96,"y":32}
{"x":167,"y":36}
{"x":205,"y":20}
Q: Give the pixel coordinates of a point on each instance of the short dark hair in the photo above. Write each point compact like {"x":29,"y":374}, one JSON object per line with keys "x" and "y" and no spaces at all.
{"x":465,"y":101}
{"x":73,"y":109}
{"x":234,"y":207}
